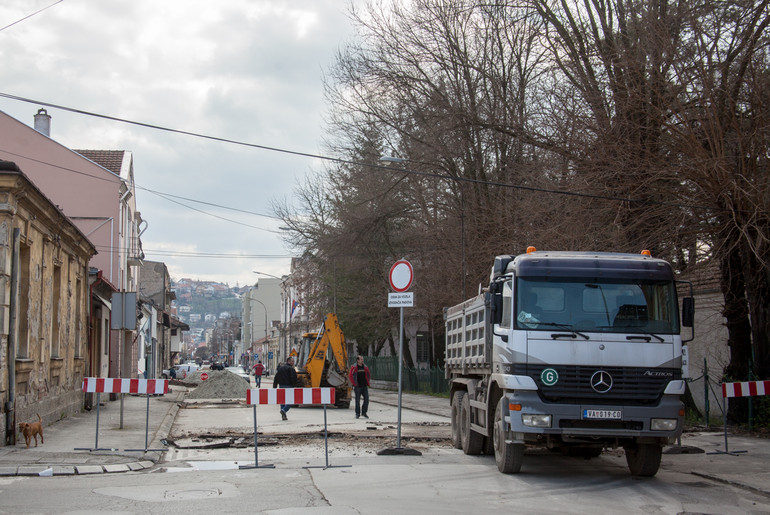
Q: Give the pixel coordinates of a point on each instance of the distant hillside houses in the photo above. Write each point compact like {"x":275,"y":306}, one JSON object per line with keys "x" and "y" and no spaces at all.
{"x":186,"y":288}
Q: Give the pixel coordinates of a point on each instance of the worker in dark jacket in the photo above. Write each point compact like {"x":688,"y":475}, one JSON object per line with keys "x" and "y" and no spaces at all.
{"x":359,"y":377}
{"x":285,"y":377}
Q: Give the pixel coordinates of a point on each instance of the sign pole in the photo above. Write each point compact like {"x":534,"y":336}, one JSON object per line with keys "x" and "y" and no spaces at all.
{"x":401,"y":276}
{"x":400,"y":366}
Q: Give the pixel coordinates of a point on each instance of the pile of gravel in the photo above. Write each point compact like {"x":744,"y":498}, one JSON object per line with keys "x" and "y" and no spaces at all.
{"x":221,"y":384}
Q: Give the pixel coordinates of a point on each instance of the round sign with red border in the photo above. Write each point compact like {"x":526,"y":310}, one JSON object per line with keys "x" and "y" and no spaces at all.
{"x":401,"y":275}
{"x":204,"y":376}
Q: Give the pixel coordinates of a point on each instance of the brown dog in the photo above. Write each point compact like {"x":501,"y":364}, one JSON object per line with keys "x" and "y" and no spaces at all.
{"x":32,"y":429}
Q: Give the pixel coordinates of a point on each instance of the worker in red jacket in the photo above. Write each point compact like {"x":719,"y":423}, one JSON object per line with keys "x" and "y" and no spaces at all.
{"x":359,"y":377}
{"x":259,"y":369}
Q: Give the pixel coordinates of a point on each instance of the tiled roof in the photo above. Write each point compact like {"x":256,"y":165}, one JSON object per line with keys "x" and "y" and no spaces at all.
{"x":112,"y":160}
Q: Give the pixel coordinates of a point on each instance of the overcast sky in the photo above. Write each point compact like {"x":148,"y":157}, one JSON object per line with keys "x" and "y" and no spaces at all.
{"x":247,"y":70}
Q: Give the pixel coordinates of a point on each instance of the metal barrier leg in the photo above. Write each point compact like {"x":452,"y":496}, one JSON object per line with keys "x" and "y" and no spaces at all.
{"x":724,"y":418}
{"x":147,"y":431}
{"x":96,"y":440}
{"x":256,"y":449}
{"x":326,"y":449}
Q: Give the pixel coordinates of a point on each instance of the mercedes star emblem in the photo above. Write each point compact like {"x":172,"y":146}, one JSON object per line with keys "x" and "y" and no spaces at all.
{"x":601,"y":381}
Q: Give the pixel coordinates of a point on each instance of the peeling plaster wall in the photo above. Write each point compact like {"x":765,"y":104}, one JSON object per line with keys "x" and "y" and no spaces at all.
{"x":53,"y":305}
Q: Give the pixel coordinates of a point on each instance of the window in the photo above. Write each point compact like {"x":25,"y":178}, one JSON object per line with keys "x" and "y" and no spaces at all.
{"x":423,"y":348}
{"x":56,"y":312}
{"x":507,"y":304}
{"x":22,"y":348}
{"x":78,"y":314}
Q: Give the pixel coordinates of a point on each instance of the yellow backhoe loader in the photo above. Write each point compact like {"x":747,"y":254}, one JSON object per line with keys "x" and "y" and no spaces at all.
{"x":322,"y":360}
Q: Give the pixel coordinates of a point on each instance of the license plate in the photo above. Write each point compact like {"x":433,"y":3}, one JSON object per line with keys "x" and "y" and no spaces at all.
{"x":603,"y":414}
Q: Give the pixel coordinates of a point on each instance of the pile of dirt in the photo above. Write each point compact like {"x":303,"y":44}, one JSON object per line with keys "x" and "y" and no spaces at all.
{"x":220,"y":384}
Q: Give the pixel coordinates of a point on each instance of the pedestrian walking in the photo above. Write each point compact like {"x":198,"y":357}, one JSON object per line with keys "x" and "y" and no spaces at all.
{"x":259,"y":369}
{"x":359,"y":376}
{"x":285,"y":377}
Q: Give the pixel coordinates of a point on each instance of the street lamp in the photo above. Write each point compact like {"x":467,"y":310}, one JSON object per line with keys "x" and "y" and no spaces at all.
{"x":401,"y":160}
{"x":251,"y":332}
{"x":269,"y":275}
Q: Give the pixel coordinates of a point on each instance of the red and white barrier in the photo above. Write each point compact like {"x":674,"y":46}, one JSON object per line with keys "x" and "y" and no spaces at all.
{"x":100,"y":385}
{"x":743,"y":389}
{"x":290,"y":396}
{"x":118,"y":385}
{"x":274,"y":396}
{"x":746,"y":389}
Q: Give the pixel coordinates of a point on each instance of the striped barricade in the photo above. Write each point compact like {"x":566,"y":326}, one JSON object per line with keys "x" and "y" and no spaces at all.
{"x":119,"y":385}
{"x":746,"y":389}
{"x":741,"y":389}
{"x":99,"y":385}
{"x":290,"y":396}
{"x":273,"y":396}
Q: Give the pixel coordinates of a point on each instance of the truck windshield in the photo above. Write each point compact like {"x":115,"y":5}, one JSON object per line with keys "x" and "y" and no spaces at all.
{"x":608,"y":306}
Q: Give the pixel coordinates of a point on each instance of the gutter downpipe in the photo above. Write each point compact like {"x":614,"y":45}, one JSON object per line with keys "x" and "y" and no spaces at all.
{"x":10,"y":413}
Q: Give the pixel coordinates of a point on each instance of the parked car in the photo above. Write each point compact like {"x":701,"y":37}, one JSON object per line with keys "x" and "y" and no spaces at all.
{"x":182,"y":371}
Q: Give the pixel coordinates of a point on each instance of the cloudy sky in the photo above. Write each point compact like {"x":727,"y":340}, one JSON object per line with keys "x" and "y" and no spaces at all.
{"x":246,"y":70}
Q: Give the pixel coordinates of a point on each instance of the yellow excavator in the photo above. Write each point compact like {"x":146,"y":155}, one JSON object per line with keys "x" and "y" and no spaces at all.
{"x":322,"y":360}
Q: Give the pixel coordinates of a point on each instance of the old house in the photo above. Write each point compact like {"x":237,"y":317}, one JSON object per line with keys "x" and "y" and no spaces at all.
{"x":155,"y":289}
{"x":96,"y":190}
{"x":44,"y":297}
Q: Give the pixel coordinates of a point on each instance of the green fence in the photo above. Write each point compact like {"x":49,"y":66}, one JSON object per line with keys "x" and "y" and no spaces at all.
{"x":430,"y":380}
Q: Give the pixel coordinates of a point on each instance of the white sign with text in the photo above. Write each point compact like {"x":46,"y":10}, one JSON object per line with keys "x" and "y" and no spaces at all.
{"x":401,"y":300}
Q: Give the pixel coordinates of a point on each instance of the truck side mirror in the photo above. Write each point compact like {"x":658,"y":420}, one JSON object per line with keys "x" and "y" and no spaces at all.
{"x":688,"y":311}
{"x":495,"y":297}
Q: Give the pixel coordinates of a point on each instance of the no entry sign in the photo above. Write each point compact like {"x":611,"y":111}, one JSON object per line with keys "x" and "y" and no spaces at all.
{"x":204,"y":376}
{"x":401,"y":275}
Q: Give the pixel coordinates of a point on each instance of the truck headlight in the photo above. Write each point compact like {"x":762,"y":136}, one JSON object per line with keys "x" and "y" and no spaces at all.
{"x":663,"y":424}
{"x":536,"y":420}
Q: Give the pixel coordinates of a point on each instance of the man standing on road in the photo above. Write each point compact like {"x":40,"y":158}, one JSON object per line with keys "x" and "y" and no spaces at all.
{"x":285,"y":377}
{"x":359,"y":376}
{"x":259,"y":368}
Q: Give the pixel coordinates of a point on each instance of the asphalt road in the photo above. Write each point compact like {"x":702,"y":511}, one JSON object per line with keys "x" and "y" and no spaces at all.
{"x":193,"y":478}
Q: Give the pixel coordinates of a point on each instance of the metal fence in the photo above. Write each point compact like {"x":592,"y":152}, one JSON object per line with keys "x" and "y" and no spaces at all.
{"x":424,"y":380}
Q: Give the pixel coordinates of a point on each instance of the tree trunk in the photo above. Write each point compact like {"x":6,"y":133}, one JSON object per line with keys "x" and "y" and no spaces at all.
{"x":736,"y":313}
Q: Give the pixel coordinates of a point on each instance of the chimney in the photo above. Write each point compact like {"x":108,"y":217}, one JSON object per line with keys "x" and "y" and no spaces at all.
{"x":43,"y":122}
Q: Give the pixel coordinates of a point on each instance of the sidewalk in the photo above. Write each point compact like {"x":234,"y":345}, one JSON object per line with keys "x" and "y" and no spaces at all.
{"x":58,"y":455}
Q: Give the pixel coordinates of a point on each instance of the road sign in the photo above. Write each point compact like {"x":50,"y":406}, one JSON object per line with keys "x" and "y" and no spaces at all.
{"x":401,"y":275}
{"x":270,"y":355}
{"x":204,"y":376}
{"x":401,"y":300}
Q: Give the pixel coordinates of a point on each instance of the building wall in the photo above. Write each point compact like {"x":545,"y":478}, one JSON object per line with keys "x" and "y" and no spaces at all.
{"x":96,"y":200}
{"x":708,"y":352}
{"x":51,"y":310}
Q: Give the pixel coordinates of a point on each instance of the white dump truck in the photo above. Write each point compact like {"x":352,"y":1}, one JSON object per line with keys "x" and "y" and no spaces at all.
{"x":570,"y":351}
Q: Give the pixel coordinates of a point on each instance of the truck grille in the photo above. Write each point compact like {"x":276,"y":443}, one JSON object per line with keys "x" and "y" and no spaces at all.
{"x":630,"y":386}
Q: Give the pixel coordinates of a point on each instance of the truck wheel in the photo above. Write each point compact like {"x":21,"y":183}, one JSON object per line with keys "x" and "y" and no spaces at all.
{"x":472,"y":441}
{"x":508,"y":456}
{"x":457,"y":400}
{"x":643,"y":459}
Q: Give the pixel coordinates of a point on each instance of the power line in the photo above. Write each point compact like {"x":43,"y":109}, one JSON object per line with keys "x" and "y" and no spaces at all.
{"x":191,"y":254}
{"x":31,"y":15}
{"x":363,"y":164}
{"x":165,"y":196}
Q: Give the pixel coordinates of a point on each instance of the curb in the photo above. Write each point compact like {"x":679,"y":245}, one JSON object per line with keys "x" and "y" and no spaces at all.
{"x":149,"y":460}
{"x":72,"y":470}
